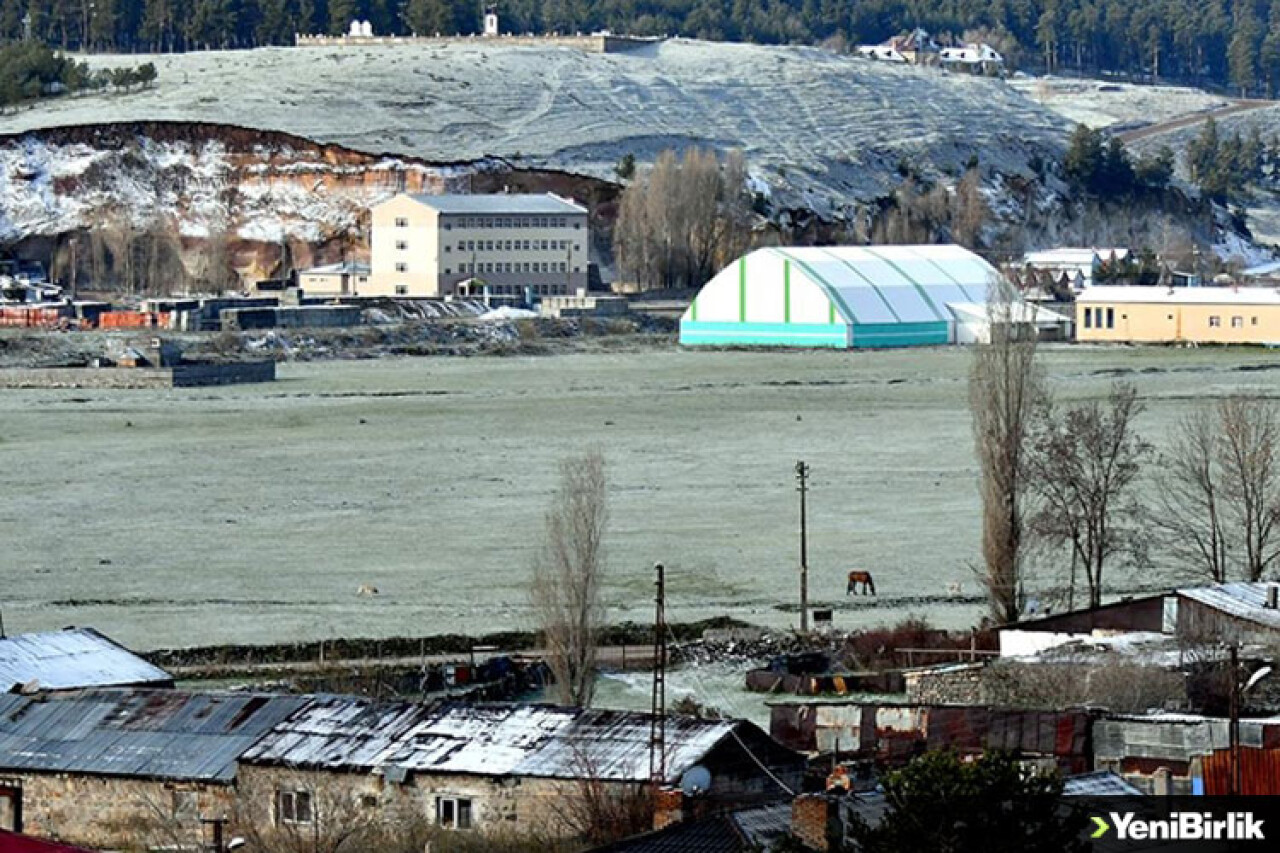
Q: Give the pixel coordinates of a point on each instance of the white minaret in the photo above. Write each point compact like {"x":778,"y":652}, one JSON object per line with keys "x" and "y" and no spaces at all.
{"x":491,"y":21}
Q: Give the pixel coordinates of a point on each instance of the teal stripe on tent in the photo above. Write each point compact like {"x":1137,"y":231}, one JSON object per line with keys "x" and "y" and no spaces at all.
{"x":879,"y":335}
{"x":870,"y":283}
{"x":768,"y":334}
{"x":832,"y":293}
{"x":923,"y":295}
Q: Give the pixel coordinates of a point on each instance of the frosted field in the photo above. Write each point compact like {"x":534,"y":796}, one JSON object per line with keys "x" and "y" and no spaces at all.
{"x":252,"y":514}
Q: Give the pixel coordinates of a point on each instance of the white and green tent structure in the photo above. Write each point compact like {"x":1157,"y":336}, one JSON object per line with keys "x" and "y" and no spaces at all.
{"x":844,"y":297}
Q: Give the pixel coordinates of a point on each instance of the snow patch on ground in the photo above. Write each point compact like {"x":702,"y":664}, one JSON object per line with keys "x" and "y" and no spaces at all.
{"x":506,"y":312}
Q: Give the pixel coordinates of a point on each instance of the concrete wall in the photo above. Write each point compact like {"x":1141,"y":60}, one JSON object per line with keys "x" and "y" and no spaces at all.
{"x":182,"y":376}
{"x":100,"y":812}
{"x":588,"y":43}
{"x":304,"y":316}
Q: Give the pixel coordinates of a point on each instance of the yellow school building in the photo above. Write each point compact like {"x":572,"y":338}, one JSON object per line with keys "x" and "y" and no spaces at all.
{"x":1218,"y":315}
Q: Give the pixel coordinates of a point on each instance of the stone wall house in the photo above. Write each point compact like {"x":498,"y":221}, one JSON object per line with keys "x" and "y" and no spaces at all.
{"x":115,"y":768}
{"x":492,"y":767}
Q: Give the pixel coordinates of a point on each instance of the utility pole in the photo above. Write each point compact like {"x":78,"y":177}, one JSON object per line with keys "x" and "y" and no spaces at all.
{"x":658,"y":709}
{"x":802,"y":476}
{"x":1233,"y":725}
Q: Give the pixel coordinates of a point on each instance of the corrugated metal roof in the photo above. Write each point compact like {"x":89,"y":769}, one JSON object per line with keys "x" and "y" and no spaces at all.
{"x":1100,"y":783}
{"x":499,"y":203}
{"x":1241,"y":599}
{"x":490,"y":740}
{"x":72,"y":659}
{"x":163,"y":734}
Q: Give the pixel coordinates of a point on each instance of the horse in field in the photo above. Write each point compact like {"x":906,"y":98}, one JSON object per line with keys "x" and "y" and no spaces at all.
{"x":861,"y":582}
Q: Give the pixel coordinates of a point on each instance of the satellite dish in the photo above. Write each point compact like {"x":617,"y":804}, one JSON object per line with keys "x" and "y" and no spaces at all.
{"x":696,"y":780}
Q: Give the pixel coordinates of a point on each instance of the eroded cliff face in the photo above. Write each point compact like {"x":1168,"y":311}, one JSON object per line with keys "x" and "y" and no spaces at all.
{"x":163,"y":206}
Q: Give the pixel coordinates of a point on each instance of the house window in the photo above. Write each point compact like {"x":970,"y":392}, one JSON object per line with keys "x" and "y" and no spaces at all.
{"x":293,"y":807}
{"x":447,"y":270}
{"x":1215,"y":321}
{"x":402,"y":267}
{"x":402,"y":244}
{"x":446,"y":247}
{"x":402,"y":222}
{"x":562,"y":266}
{"x":577,"y":225}
{"x":402,"y":290}
{"x":1253,"y":321}
{"x":1237,"y":322}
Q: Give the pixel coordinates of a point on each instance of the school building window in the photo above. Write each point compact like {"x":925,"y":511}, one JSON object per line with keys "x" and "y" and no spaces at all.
{"x":402,"y":222}
{"x":1237,"y":322}
{"x":402,"y":267}
{"x":1111,"y":318}
{"x":1215,"y":321}
{"x":1088,"y":318}
{"x":402,"y":244}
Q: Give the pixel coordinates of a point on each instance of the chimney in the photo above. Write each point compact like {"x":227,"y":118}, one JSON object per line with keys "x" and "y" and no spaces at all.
{"x":815,"y":821}
{"x":668,"y":807}
{"x":1273,"y":592}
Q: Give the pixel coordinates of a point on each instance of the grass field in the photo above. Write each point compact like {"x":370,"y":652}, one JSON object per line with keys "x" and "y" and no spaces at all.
{"x":253,"y":513}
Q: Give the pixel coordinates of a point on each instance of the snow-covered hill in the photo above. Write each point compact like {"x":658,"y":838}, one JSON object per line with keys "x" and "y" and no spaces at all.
{"x":821,"y":129}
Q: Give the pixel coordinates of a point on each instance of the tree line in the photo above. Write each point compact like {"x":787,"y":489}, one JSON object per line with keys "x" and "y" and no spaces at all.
{"x":1227,"y":42}
{"x":1063,"y":482}
{"x":30,"y":70}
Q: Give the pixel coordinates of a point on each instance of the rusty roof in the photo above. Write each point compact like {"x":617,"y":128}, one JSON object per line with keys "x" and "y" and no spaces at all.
{"x":160,"y":734}
{"x":71,"y":659}
{"x":353,"y":734}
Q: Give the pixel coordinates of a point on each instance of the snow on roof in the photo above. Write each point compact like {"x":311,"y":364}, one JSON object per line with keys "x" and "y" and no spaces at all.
{"x":73,"y":658}
{"x":1022,"y":312}
{"x":1182,"y":295}
{"x":1241,"y":599}
{"x":499,"y":203}
{"x":1100,"y":783}
{"x":343,"y":268}
{"x":1071,"y":255}
{"x":1262,"y":269}
{"x":490,"y":740}
{"x":157,"y":734}
{"x":888,"y":284}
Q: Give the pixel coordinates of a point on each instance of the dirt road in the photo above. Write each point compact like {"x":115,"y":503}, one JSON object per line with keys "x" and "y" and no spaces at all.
{"x":1238,"y":106}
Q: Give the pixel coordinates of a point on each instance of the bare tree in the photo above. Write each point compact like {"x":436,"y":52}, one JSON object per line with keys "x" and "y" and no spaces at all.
{"x":1082,"y":469}
{"x":1249,"y":436}
{"x":683,"y":218}
{"x":1005,"y":386}
{"x":1190,"y":499}
{"x":1219,"y":490}
{"x":567,"y":575}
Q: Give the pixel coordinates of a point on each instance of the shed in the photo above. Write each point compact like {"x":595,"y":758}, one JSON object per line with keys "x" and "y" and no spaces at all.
{"x":73,"y":659}
{"x":842,"y":297}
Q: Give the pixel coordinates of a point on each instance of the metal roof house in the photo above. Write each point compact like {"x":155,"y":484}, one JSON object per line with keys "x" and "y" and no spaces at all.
{"x":844,"y":297}
{"x":1241,"y":612}
{"x":96,"y":768}
{"x":514,"y":767}
{"x":73,"y":659}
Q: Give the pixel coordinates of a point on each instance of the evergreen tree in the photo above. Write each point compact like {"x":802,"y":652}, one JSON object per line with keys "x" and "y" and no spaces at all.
{"x":1242,"y":51}
{"x":1269,"y":53}
{"x":428,"y":17}
{"x":341,"y":14}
